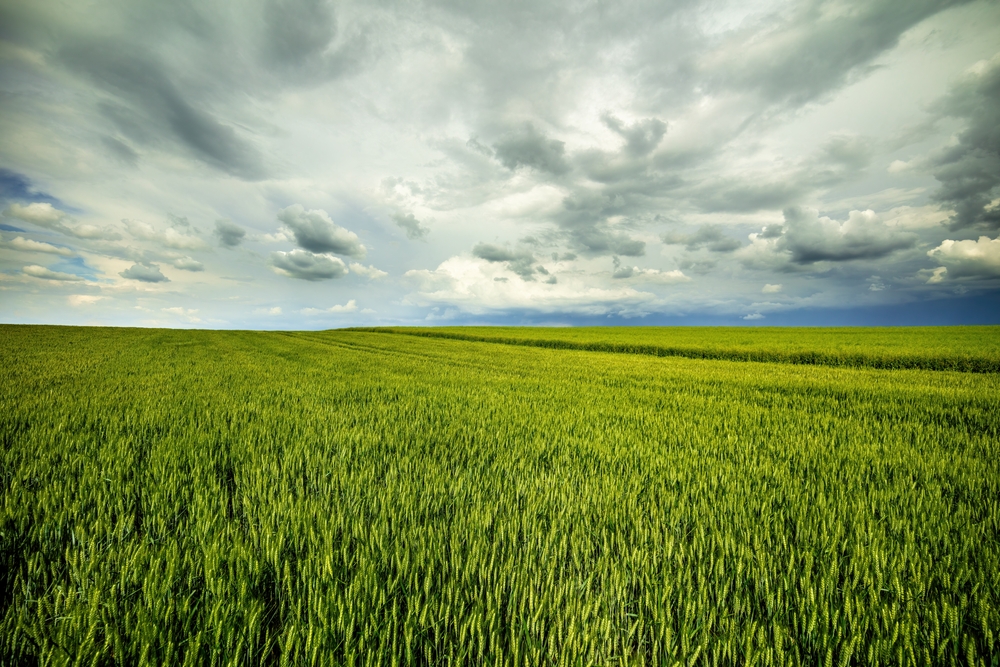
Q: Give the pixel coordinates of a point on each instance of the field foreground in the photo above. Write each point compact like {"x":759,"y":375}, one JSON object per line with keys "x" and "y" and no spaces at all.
{"x":365,"y":498}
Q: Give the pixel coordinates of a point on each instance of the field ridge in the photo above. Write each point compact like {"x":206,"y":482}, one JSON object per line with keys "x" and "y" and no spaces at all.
{"x":987,"y":361}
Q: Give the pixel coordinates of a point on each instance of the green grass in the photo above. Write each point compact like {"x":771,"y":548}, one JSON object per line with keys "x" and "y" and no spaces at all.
{"x":966,"y":348}
{"x":355,"y":498}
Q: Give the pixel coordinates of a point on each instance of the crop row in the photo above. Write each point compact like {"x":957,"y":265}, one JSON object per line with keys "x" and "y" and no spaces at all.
{"x":968,"y":349}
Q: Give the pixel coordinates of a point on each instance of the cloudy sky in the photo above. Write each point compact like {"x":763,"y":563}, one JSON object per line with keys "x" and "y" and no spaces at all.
{"x":310,"y":164}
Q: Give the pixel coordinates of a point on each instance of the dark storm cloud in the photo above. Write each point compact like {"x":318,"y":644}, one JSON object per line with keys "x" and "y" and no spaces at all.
{"x":298,"y":30}
{"x":121,"y":151}
{"x":532,"y":61}
{"x":799,"y":55}
{"x":306,"y":265}
{"x":594,"y":221}
{"x":147,"y":273}
{"x":583,"y":222}
{"x":409,"y":224}
{"x":606,"y":242}
{"x":634,"y":169}
{"x":529,"y":58}
{"x":840,"y":159}
{"x":708,"y":236}
{"x":620,"y":111}
{"x":520,"y":262}
{"x":493,"y":253}
{"x":618,"y":173}
{"x":745,"y":196}
{"x":786,"y":59}
{"x":771,"y":231}
{"x":177,"y":76}
{"x":152,"y":102}
{"x":229,"y":233}
{"x":316,"y":232}
{"x":527,"y":147}
{"x":810,"y":238}
{"x":700,"y":267}
{"x":299,"y":41}
{"x":969,"y":171}
{"x":641,"y":138}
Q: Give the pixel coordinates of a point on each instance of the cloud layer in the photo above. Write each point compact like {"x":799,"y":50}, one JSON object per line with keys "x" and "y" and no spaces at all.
{"x":279,"y":162}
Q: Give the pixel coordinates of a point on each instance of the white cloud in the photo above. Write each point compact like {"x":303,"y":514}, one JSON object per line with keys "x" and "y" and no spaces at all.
{"x":936,"y":276}
{"x":29,"y":245}
{"x":369,"y":272}
{"x":39,"y":213}
{"x":273,"y":311}
{"x":188,"y":314}
{"x":753,"y":316}
{"x":966,"y":259}
{"x":662,"y":277}
{"x":898,"y":167}
{"x":349,"y":307}
{"x":77,"y":300}
{"x":764,"y":252}
{"x":170,"y":237}
{"x":280,"y":236}
{"x":42,"y":273}
{"x":771,"y":289}
{"x":46,"y":215}
{"x":637,"y":275}
{"x":479,"y":286}
{"x":93,"y":232}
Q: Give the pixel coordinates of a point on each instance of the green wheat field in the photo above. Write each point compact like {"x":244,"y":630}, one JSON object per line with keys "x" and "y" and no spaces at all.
{"x":500,"y":496}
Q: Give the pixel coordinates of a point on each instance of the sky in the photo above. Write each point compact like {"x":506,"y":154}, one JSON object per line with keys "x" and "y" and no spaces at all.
{"x":302,"y":164}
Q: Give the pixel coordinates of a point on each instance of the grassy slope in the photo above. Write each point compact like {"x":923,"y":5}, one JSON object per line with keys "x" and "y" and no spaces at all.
{"x":966,"y":348}
{"x":175,"y":496}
